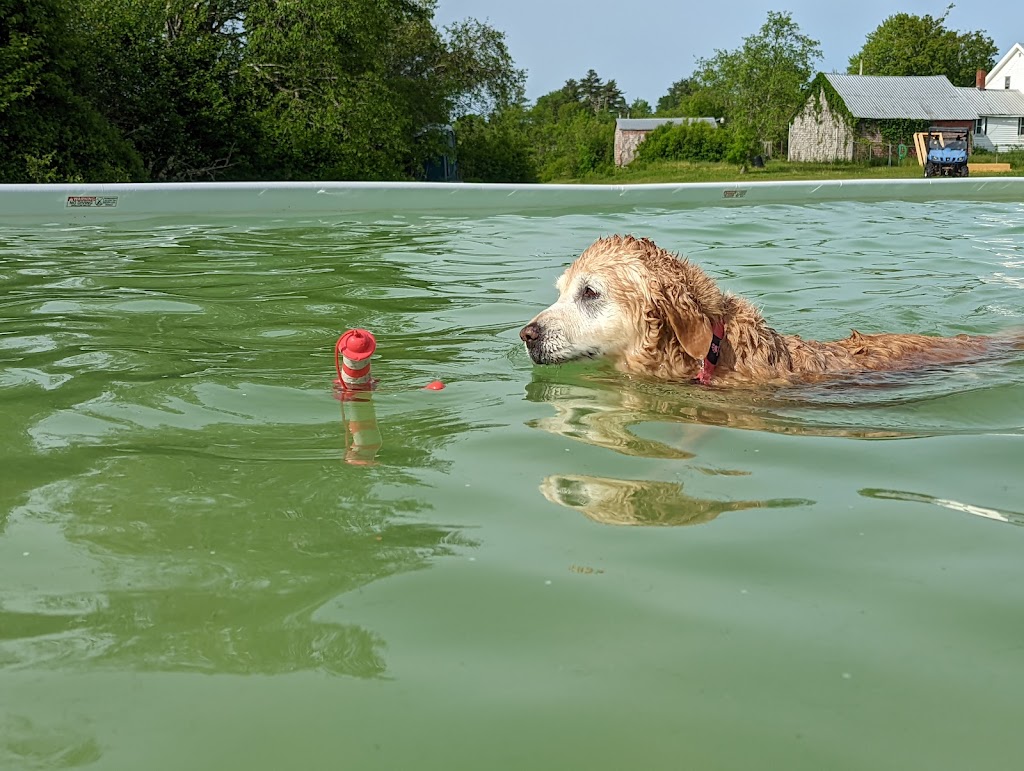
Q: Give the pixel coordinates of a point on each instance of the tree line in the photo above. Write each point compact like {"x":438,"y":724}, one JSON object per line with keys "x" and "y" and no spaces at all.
{"x":119,"y":90}
{"x":179,"y":90}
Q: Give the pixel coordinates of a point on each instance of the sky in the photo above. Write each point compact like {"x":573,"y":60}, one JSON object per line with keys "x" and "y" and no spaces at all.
{"x":647,"y":45}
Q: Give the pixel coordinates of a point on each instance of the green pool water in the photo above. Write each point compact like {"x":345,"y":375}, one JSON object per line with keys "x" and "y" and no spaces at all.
{"x":201,"y":567}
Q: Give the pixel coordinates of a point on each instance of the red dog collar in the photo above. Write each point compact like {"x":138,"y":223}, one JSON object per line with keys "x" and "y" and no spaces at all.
{"x":707,"y":367}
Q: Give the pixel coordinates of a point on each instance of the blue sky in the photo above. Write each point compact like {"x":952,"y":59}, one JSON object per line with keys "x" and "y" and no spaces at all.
{"x":646,"y":45}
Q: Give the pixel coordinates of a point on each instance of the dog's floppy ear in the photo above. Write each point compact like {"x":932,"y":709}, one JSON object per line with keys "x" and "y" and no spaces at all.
{"x":681,"y":316}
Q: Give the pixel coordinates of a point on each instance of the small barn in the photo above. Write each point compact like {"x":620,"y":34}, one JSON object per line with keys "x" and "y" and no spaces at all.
{"x":844,"y":110}
{"x":630,"y":132}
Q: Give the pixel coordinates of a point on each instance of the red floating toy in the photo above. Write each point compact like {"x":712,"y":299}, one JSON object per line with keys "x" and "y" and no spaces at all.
{"x":352,"y":355}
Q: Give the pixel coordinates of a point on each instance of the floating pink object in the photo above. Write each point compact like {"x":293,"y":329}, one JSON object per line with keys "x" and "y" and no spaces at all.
{"x":352,"y":355}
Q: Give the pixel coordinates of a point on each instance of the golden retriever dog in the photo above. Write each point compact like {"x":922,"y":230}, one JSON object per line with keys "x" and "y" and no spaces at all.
{"x":657,"y":315}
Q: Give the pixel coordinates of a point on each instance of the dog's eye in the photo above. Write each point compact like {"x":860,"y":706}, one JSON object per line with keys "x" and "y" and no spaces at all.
{"x":589,"y":293}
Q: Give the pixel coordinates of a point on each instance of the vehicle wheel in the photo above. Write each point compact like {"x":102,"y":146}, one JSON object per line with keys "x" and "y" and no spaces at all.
{"x":929,"y":170}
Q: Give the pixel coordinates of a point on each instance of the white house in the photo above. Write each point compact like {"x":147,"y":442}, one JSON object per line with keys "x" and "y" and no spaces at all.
{"x":1000,"y":123}
{"x":1008,"y":72}
{"x":1000,"y":105}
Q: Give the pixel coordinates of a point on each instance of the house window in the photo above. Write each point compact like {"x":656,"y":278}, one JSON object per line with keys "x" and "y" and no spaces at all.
{"x":1006,"y":82}
{"x":1020,"y":127}
{"x":981,"y":126}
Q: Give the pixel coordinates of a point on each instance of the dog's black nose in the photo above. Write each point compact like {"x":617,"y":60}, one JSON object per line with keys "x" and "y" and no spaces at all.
{"x":530,"y":333}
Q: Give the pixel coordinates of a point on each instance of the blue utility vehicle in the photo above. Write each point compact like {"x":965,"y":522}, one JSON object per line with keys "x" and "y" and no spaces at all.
{"x":946,"y":157}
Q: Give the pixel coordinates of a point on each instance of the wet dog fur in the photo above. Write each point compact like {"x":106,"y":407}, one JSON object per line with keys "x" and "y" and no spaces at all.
{"x":652,"y":314}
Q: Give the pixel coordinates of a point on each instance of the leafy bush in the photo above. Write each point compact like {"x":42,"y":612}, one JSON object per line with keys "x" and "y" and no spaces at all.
{"x":494,"y":150}
{"x":743,"y":144}
{"x":580,"y":143}
{"x":685,"y":142}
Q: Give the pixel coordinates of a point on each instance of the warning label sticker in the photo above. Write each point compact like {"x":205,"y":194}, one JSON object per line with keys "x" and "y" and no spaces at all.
{"x":733,"y":193}
{"x":80,"y":201}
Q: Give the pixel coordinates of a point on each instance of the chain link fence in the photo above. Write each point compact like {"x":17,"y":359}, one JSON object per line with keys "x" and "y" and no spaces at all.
{"x":873,"y":153}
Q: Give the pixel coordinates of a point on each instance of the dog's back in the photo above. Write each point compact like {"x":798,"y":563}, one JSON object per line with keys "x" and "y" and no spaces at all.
{"x":896,"y":351}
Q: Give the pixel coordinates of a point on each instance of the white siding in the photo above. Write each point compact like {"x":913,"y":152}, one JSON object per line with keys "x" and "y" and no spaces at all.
{"x":1012,"y":66}
{"x":1002,"y":135}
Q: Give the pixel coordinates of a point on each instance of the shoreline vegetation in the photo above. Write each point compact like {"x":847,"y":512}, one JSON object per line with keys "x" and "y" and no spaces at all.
{"x":102,"y":91}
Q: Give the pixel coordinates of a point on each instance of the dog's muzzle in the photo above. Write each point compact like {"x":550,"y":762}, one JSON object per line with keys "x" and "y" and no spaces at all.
{"x":532,"y":335}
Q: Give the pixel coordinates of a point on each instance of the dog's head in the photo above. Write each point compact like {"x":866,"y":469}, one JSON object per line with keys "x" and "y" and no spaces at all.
{"x":629,"y":301}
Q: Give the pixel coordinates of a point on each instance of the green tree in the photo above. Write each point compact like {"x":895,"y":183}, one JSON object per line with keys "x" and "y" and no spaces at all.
{"x":597,"y":95}
{"x":639,"y":108}
{"x":205,"y":89}
{"x":23,"y":56}
{"x":905,"y":44}
{"x":705,"y":103}
{"x":479,"y":73}
{"x":318,"y":75}
{"x":762,"y":83}
{"x":344,"y":90}
{"x":168,"y":73}
{"x":590,"y":88}
{"x":576,"y":145}
{"x":675,"y":96}
{"x":50,"y":130}
{"x":572,"y":130}
{"x":557,"y":105}
{"x":688,"y":98}
{"x":495,"y":149}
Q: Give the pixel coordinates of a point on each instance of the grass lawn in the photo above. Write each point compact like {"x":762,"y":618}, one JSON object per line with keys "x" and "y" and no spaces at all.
{"x":684,"y":171}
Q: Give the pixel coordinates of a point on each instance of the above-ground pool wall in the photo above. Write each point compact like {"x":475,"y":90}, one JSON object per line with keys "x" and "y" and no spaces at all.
{"x":117,"y":203}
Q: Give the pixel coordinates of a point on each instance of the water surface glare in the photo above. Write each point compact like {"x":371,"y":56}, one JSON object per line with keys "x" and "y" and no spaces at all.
{"x":207,"y":561}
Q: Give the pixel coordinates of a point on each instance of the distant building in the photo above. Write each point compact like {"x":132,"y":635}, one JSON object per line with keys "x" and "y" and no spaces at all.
{"x":1008,"y":74}
{"x":630,"y":132}
{"x":1000,"y":118}
{"x":999,"y":125}
{"x":842,"y":110}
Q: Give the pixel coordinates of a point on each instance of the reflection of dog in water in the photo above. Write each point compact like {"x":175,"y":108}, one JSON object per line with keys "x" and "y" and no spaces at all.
{"x":602,"y":414}
{"x":642,"y":502}
{"x":602,"y":417}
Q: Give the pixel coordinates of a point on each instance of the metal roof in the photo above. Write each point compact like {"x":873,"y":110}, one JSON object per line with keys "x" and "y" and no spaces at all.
{"x":890,"y":97}
{"x":995,"y":102}
{"x":649,"y":124}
